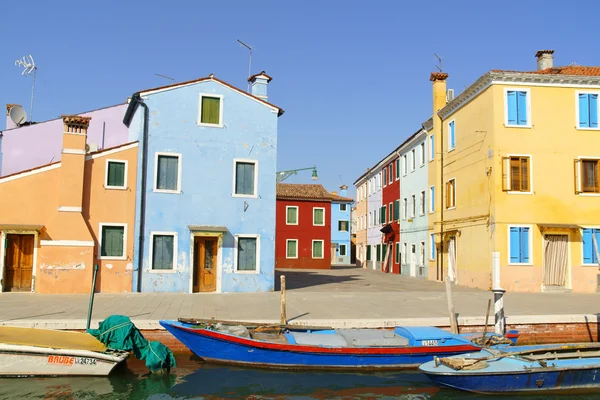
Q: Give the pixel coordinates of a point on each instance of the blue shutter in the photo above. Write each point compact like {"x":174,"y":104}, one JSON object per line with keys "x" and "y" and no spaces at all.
{"x":514,"y":245}
{"x":593,"y":110}
{"x":588,"y":253}
{"x":452,"y":137}
{"x":511,"y":105}
{"x":522,"y":108}
{"x":432,"y":155}
{"x":432,"y":198}
{"x":595,"y":257}
{"x":584,"y":111}
{"x":524,"y":245}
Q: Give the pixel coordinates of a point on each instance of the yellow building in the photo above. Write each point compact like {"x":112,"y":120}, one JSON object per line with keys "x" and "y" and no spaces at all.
{"x":515,"y":179}
{"x":361,"y":220}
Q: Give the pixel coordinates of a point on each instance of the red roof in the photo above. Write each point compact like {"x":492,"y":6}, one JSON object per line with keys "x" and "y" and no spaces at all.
{"x":315,"y":192}
{"x":568,"y":70}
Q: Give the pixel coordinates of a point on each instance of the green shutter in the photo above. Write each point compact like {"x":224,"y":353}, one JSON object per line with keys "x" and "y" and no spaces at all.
{"x":378,"y":252}
{"x":211,"y":110}
{"x":244,"y":178}
{"x":162,"y":251}
{"x":112,"y":241}
{"x":368,"y":253}
{"x":318,"y":216}
{"x":167,"y":172}
{"x":292,"y":249}
{"x":396,"y":210}
{"x":116,"y":174}
{"x":397,"y":253}
{"x":246,"y":254}
{"x":292,"y":215}
{"x":318,"y":249}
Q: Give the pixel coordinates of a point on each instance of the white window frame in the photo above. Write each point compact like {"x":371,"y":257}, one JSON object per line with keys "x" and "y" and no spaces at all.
{"x":455,"y":197}
{"x":413,"y":208}
{"x":448,"y":130}
{"x":286,"y":248}
{"x":413,"y":160}
{"x":422,"y":154}
{"x":397,"y":248}
{"x":577,"y":93}
{"x":106,"y":185}
{"x":422,"y":253}
{"x":404,"y":165}
{"x":345,"y":250}
{"x":116,"y":224}
{"x":404,"y":208}
{"x":175,"y":239}
{"x":397,"y":167}
{"x":348,"y":225}
{"x":579,"y":184}
{"x":345,"y":207}
{"x":422,"y":202}
{"x":432,"y":246}
{"x":528,"y":91}
{"x":156,"y":156}
{"x":385,"y":176}
{"x":297,"y":215}
{"x":530,"y":157}
{"x":431,"y":147}
{"x":312,"y":249}
{"x":213,"y":95}
{"x":581,"y":234}
{"x":313,"y":216}
{"x":431,"y":199}
{"x":403,"y":255}
{"x":235,"y":253}
{"x":248,"y":161}
{"x":530,"y":244}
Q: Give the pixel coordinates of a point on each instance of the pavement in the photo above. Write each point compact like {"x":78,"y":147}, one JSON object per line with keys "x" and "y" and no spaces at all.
{"x":341,"y":297}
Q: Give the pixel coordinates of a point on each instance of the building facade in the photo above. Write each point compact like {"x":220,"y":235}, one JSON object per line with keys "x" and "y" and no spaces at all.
{"x":390,"y":213}
{"x":341,"y":226}
{"x":374,"y":204}
{"x":205,"y":208}
{"x":361,"y":220}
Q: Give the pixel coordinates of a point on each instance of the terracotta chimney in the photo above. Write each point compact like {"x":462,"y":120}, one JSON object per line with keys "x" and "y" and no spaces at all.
{"x":545,"y":59}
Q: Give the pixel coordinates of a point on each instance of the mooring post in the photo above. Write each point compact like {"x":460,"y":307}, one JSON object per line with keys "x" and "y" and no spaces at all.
{"x":451,"y":312}
{"x":91,"y":306}
{"x":499,"y":310}
{"x":283,"y":314}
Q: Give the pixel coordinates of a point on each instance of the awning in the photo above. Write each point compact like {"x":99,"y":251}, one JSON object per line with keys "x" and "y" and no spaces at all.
{"x":18,"y":227}
{"x":207,"y":228}
{"x":558,"y":226}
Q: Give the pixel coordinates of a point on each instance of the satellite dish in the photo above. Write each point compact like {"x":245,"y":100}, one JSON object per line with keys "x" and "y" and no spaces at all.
{"x":18,"y":115}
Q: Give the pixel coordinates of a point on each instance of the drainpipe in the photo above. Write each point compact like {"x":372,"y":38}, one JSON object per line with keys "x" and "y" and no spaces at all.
{"x":442,"y":205}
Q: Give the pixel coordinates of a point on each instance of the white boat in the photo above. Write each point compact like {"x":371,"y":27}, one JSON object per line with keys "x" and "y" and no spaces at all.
{"x":45,"y":352}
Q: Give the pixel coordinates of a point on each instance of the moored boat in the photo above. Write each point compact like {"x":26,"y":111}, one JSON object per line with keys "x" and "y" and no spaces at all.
{"x":320,"y":348}
{"x":520,"y":369}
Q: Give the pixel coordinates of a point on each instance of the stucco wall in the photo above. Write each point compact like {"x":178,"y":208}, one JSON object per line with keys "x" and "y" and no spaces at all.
{"x":340,"y":237}
{"x":361,"y":233}
{"x":391,"y":193}
{"x":374,"y":236}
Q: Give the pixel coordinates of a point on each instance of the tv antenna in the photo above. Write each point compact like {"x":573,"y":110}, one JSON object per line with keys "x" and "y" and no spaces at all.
{"x":28,"y":67}
{"x":439,"y":67}
{"x":250,"y":63}
{"x":166,"y":77}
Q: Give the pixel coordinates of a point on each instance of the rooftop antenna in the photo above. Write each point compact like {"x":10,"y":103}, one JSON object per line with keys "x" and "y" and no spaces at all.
{"x":250,"y":63}
{"x":28,"y":67}
{"x":439,"y":67}
{"x":166,"y":77}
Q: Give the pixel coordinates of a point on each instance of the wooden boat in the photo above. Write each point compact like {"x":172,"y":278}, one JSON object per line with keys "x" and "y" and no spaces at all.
{"x":318,"y":347}
{"x":43,"y":352}
{"x":521,"y":369}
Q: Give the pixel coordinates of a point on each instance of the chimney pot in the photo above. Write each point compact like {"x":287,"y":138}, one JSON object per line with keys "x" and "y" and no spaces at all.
{"x":259,"y":84}
{"x":545,"y":59}
{"x":438,"y":76}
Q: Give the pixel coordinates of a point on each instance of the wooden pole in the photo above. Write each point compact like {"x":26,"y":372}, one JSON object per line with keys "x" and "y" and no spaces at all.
{"x":453,"y":324}
{"x":487,"y":316}
{"x":283,"y":314}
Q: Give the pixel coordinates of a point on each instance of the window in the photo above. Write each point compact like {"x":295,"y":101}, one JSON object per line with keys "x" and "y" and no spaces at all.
{"x":378,"y":252}
{"x":291,"y":217}
{"x":517,"y":108}
{"x":519,"y":245}
{"x":390,"y":212}
{"x":391,"y":171}
{"x":397,"y":169}
{"x":413,"y":207}
{"x":112,"y":241}
{"x":343,"y":207}
{"x":422,"y":153}
{"x":318,"y":216}
{"x":116,"y":174}
{"x":291,"y":246}
{"x":431,"y":148}
{"x":247,"y":255}
{"x":163,"y":250}
{"x":422,"y":203}
{"x":382,"y":215}
{"x":244,"y":180}
{"x":343,"y":226}
{"x":368,"y":253}
{"x":317,"y":249}
{"x":432,"y":246}
{"x":516,"y":174}
{"x":167,"y":173}
{"x":431,"y":199}
{"x":422,"y":253}
{"x":383,"y":251}
{"x":404,"y":253}
{"x":590,"y":256}
{"x":587,"y":110}
{"x":211,"y":110}
{"x":397,"y":261}
{"x":451,"y":136}
{"x":413,"y":159}
{"x":342,"y":249}
{"x":451,"y":193}
{"x":404,"y":165}
{"x":378,"y":181}
{"x":396,"y":210}
{"x":385,"y":176}
{"x":587,"y":176}
{"x":404,"y":208}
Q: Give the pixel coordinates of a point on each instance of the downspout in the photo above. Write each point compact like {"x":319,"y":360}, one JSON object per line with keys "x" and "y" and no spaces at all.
{"x":442,"y":205}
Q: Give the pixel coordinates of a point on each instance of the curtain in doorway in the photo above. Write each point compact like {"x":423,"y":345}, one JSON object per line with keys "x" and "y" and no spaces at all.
{"x":452,"y":259}
{"x":555,"y":259}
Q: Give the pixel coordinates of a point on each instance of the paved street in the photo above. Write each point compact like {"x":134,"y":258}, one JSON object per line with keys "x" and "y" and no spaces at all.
{"x":342,"y":296}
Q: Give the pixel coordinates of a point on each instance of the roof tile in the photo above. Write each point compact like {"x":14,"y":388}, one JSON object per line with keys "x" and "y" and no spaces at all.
{"x":313,"y":192}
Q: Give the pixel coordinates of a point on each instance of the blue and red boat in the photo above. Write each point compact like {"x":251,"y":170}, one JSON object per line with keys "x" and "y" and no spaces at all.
{"x":320,"y":348}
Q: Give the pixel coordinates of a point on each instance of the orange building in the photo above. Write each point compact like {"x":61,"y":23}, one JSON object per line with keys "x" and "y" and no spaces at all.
{"x":58,"y":220}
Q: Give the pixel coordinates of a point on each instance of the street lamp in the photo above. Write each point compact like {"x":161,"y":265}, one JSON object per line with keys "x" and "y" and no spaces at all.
{"x":283,"y":175}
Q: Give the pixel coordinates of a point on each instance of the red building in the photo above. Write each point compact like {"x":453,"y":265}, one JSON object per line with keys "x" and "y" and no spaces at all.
{"x":303,"y":227}
{"x":390,"y":203}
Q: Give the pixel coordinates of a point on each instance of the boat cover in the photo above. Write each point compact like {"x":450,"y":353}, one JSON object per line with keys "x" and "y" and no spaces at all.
{"x":50,"y":339}
{"x":350,"y":338}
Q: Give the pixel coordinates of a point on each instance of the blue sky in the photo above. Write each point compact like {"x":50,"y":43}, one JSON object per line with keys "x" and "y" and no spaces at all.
{"x":353,"y":77}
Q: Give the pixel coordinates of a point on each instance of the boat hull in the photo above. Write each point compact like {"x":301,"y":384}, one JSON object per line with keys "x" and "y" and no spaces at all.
{"x":213,"y":346}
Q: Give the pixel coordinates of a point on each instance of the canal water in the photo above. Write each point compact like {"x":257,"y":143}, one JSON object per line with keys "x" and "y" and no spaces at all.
{"x":193,"y":379}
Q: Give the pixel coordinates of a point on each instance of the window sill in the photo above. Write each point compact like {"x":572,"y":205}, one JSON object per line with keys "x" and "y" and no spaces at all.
{"x":517,"y":126}
{"x":318,"y":224}
{"x":166,"y":191}
{"x":451,"y":150}
{"x":111,"y":258}
{"x":589,"y":265}
{"x":422,"y":165}
{"x":255,"y":272}
{"x":246,"y":196}
{"x":517,"y":192}
{"x":583,"y":128}
{"x":521,"y":264}
{"x":588,"y":194}
{"x":206,"y":125}
{"x":451,"y":208}
{"x":289,"y":223}
{"x":431,"y":160}
{"x":115,"y":187}
{"x":162,"y":271}
{"x":318,"y":258}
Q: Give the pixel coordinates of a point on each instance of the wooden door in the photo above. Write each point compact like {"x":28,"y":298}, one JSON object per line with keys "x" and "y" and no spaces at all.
{"x":18,"y":262}
{"x":205,"y":264}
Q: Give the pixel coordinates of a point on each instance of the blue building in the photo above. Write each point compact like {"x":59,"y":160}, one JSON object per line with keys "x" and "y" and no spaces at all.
{"x":205,"y":204}
{"x":340,"y":227}
{"x":415,"y":205}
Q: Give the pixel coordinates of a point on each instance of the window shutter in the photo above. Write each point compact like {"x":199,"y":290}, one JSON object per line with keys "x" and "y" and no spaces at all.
{"x":595,"y":244}
{"x":514,"y":245}
{"x":368,"y":253}
{"x":247,"y":254}
{"x":577,"y":176}
{"x":452,"y":135}
{"x":432,"y":198}
{"x":522,"y":108}
{"x":447,"y":194}
{"x":396,"y":210}
{"x":524,"y":245}
{"x":506,"y":183}
{"x":524,"y":174}
{"x":162,"y":252}
{"x":584,"y":110}
{"x":210,"y":110}
{"x":116,"y":174}
{"x":378,"y":252}
{"x":511,"y":105}
{"x":593,"y":110}
{"x":432,"y":147}
{"x":588,"y":254}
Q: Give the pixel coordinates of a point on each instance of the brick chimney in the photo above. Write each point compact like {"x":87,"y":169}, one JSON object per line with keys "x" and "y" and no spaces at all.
{"x":259,"y":84}
{"x":545,"y":59}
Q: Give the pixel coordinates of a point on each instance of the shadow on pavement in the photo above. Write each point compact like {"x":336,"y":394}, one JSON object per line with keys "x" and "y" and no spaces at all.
{"x":297,"y":279}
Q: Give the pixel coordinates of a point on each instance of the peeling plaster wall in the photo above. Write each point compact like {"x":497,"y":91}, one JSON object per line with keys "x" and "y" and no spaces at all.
{"x":207,"y":154}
